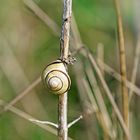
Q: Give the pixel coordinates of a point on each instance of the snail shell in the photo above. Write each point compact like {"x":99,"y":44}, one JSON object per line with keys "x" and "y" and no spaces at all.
{"x":56,"y":77}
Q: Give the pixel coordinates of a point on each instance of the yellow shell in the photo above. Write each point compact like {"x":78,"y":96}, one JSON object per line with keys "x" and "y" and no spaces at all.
{"x":56,"y":77}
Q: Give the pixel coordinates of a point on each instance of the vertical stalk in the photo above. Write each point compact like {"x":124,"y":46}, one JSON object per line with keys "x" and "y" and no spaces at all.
{"x":64,"y":48}
{"x":62,"y":112}
{"x":65,"y":32}
{"x":125,"y":96}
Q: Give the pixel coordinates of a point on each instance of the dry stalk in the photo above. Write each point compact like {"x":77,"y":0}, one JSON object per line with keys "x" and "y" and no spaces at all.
{"x":56,"y":125}
{"x":64,"y":48}
{"x":125,"y":97}
{"x":45,"y":122}
{"x":75,"y":121}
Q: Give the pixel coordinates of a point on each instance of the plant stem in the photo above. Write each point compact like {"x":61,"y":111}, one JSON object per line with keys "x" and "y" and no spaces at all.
{"x":65,"y":32}
{"x":62,"y":123}
{"x":64,"y":48}
{"x":125,"y":97}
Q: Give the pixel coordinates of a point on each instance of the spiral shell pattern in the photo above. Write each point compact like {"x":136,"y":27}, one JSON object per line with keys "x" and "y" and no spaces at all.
{"x":56,"y":77}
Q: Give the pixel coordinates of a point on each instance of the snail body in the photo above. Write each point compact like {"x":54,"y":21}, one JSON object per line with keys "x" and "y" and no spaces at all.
{"x":56,"y":78}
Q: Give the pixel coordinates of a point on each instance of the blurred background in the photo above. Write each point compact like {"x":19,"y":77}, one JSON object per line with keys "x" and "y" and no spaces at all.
{"x":29,"y":40}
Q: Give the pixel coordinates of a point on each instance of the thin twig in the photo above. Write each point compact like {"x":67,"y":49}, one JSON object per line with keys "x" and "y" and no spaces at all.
{"x":65,"y":33}
{"x":75,"y":121}
{"x":55,"y":125}
{"x":44,"y":122}
{"x":125,"y":97}
{"x":64,"y":48}
{"x":62,"y":117}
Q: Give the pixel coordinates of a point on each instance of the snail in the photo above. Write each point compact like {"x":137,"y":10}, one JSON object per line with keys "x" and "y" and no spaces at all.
{"x":56,"y":78}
